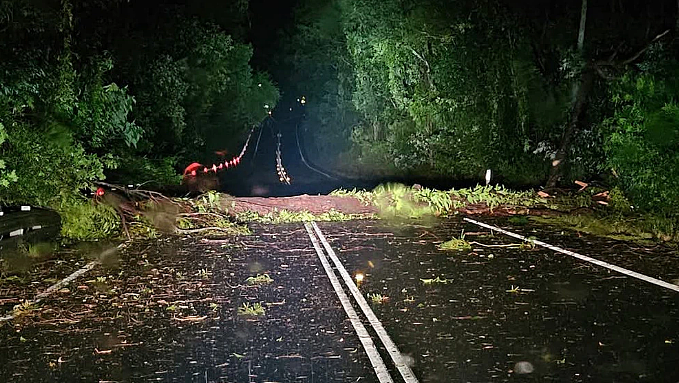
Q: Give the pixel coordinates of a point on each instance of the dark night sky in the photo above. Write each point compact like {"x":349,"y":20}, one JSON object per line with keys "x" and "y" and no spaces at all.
{"x":264,"y":25}
{"x":268,"y":21}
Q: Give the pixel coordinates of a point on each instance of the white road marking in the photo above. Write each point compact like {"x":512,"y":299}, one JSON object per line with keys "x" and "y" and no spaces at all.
{"x":585,"y":258}
{"x":393,"y":351}
{"x":375,"y":359}
{"x":55,"y":287}
{"x":64,"y":281}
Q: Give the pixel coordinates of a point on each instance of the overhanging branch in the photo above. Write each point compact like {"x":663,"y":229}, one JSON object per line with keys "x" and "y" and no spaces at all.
{"x":644,"y":49}
{"x":633,"y":57}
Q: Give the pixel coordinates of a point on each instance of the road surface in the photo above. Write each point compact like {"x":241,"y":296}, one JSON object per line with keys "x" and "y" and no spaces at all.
{"x":182,"y":309}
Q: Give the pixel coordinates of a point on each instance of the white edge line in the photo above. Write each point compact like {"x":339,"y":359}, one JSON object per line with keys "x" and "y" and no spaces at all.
{"x":585,"y":258}
{"x":63,"y":282}
{"x":55,"y":287}
{"x":393,"y":351}
{"x":299,"y":148}
{"x":375,"y":359}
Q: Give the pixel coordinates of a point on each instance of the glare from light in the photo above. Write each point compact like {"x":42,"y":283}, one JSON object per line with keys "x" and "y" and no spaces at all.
{"x":359,"y":278}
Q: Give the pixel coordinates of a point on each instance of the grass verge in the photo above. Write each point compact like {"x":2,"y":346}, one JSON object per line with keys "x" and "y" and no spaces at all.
{"x":643,"y":227}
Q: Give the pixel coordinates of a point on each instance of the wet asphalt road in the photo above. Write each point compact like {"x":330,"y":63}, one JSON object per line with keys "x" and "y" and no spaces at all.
{"x":168,"y":310}
{"x":503,"y":314}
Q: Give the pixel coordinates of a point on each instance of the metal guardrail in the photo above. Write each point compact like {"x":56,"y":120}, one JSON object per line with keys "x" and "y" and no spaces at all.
{"x":27,"y":224}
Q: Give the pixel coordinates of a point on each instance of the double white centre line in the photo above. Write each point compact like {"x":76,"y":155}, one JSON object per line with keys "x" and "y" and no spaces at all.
{"x":383,"y":375}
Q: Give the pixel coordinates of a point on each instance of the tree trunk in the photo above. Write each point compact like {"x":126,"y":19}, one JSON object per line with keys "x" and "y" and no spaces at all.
{"x":571,"y":128}
{"x":583,"y":21}
{"x":578,"y":98}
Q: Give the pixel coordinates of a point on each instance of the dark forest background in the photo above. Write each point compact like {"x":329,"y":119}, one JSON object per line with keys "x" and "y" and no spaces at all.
{"x":541,"y":92}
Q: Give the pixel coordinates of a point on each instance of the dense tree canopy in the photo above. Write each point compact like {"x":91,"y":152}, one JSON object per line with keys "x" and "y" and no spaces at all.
{"x":536,"y":91}
{"x":540,"y":92}
{"x":129,"y":89}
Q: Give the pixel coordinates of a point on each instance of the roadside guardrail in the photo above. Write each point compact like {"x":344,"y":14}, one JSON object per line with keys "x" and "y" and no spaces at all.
{"x":27,"y":224}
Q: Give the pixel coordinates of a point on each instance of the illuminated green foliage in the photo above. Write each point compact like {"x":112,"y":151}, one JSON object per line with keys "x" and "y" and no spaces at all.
{"x":199,"y":91}
{"x":248,"y":309}
{"x":414,"y":95}
{"x":81,"y":101}
{"x":82,"y":220}
{"x":456,"y":244}
{"x":260,"y":279}
{"x":641,"y":141}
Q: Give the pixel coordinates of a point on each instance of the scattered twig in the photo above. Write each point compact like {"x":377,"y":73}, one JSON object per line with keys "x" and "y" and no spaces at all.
{"x":292,"y":356}
{"x":127,"y":344}
{"x":202,"y":213}
{"x":425,"y":232}
{"x":484,"y":245}
{"x":217,"y":241}
{"x":140,"y":193}
{"x":202,"y":229}
{"x":191,"y":318}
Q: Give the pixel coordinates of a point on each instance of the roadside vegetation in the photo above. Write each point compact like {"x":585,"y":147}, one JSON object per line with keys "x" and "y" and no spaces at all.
{"x":551,"y":104}
{"x":82,"y":102}
{"x":285,"y":216}
{"x":405,"y":201}
{"x":619,"y":226}
{"x":592,"y":210}
{"x":251,"y":310}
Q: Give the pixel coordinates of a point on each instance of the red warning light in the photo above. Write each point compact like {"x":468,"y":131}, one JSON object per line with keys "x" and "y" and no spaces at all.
{"x":191,"y":169}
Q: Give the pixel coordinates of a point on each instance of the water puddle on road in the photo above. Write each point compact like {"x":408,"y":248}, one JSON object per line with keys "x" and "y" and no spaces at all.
{"x":509,"y":313}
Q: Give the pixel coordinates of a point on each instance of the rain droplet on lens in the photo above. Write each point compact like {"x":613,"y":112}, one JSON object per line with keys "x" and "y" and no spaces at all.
{"x":408,"y":360}
{"x":523,"y":368}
